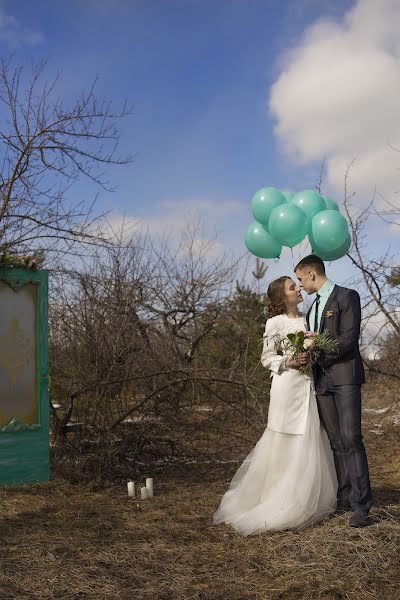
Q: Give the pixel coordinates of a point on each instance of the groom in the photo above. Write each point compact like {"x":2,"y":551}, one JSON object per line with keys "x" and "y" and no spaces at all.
{"x":338,"y":378}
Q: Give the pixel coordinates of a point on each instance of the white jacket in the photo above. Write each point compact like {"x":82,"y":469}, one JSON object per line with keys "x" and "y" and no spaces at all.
{"x":290,"y":388}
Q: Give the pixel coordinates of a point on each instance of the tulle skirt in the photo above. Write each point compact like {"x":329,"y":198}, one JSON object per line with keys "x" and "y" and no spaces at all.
{"x":288,"y":481}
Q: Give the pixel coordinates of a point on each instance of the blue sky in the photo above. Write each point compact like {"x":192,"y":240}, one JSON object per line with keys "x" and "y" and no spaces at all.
{"x":200,"y":75}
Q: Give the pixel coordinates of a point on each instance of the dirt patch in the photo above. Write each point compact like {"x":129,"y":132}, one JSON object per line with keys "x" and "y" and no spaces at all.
{"x":70,"y":542}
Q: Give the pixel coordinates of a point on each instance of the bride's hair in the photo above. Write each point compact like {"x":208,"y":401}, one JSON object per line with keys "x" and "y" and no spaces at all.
{"x":276,"y":297}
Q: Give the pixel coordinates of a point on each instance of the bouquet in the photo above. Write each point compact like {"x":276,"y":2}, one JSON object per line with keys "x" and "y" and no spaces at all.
{"x":312,"y":343}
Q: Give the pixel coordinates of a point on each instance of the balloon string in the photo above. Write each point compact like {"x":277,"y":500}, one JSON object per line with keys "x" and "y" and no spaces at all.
{"x":291,"y":251}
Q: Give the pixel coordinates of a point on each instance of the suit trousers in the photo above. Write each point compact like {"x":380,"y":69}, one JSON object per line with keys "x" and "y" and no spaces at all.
{"x":340,"y":413}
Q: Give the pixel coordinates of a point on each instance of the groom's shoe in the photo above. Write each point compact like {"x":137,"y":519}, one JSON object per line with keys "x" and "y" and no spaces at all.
{"x":342,"y":507}
{"x":359,"y":519}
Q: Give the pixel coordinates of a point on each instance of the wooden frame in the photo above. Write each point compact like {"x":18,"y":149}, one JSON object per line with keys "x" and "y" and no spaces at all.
{"x":24,"y":448}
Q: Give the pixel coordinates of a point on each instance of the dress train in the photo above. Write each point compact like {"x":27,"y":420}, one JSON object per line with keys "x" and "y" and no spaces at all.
{"x":287,"y":481}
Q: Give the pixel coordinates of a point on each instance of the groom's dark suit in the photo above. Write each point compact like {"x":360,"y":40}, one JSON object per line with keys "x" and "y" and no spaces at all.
{"x":338,"y":378}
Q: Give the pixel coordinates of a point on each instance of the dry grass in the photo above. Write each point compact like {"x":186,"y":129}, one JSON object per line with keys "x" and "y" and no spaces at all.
{"x":64,"y":541}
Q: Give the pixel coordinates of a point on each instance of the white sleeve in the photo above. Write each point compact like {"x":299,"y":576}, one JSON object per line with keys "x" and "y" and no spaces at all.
{"x":270,"y":359}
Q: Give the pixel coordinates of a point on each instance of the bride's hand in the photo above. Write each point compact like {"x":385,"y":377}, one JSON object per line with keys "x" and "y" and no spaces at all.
{"x":295,"y":363}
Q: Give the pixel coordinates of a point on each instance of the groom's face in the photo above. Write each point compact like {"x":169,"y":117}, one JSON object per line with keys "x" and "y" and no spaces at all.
{"x":306,"y":279}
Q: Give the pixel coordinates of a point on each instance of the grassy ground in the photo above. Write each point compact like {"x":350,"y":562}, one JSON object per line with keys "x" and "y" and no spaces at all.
{"x":66,"y":541}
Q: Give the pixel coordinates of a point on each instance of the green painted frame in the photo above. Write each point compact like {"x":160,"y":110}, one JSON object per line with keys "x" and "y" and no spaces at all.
{"x":25,"y":450}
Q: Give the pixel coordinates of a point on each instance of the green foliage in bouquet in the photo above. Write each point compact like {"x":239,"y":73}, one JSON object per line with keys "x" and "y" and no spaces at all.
{"x":312,"y":343}
{"x":297,"y":340}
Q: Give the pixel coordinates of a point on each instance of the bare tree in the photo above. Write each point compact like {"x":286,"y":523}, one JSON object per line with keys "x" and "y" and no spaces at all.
{"x":150,"y":350}
{"x":190,"y":284}
{"x":375,"y":277}
{"x":380,"y":299}
{"x":47,"y":144}
{"x":259,"y":272}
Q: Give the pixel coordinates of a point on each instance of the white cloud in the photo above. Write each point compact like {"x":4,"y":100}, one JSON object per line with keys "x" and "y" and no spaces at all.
{"x":208,"y":207}
{"x":116,"y":225}
{"x":176,"y":214}
{"x":338,"y":94}
{"x":375,"y":329}
{"x":179,"y":223}
{"x":176,"y":220}
{"x":14,"y":34}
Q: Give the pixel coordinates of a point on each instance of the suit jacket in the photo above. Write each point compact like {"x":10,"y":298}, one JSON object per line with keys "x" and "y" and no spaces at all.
{"x":342,"y":318}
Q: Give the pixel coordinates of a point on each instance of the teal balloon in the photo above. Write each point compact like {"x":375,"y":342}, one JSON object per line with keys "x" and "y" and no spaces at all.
{"x":310,"y":201}
{"x":261,"y":243}
{"x":264,"y":202}
{"x":333,"y":254}
{"x":329,"y":230}
{"x":288,"y":224}
{"x":289,"y":195}
{"x":330,"y":203}
{"x":311,"y":240}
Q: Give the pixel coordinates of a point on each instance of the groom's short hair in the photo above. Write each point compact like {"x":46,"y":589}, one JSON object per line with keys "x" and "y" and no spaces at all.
{"x":312,"y":261}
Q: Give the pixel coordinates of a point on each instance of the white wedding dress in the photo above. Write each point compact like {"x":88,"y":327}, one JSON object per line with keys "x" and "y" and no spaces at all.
{"x":288,"y":480}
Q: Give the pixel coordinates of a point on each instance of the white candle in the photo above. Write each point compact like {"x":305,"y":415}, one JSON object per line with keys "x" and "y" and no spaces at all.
{"x":131,"y":489}
{"x":149,"y":485}
{"x":144,"y":492}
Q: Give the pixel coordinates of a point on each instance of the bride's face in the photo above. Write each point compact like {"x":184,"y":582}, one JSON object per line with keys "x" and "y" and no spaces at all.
{"x":292,"y":293}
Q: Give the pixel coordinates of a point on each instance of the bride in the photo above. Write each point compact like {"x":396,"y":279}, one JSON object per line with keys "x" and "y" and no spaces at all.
{"x":288,"y":480}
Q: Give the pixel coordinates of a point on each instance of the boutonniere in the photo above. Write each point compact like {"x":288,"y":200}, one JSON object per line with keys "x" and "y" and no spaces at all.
{"x":329,"y":314}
